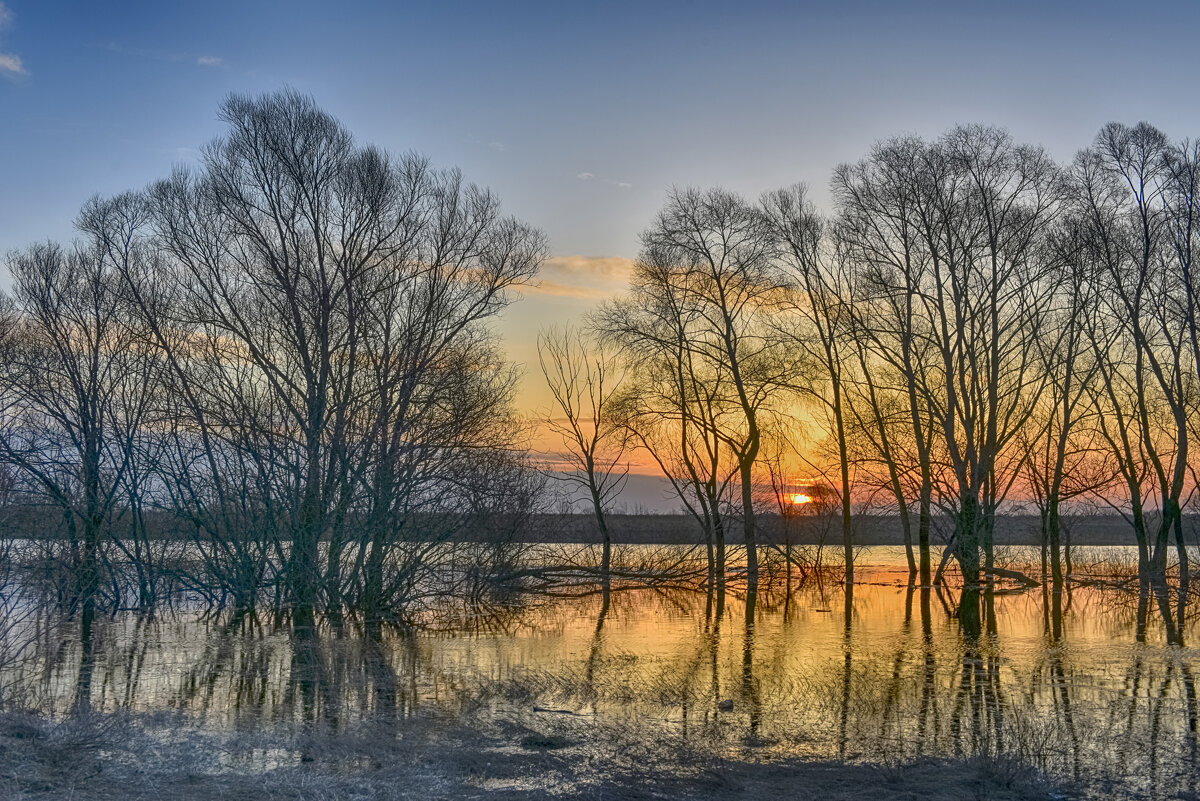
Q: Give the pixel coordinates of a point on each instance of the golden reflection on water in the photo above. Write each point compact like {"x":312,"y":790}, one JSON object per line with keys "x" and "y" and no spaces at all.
{"x":1065,"y":686}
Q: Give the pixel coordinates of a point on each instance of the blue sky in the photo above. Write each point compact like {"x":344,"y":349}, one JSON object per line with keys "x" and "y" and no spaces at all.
{"x":532,"y":98}
{"x":579,"y":115}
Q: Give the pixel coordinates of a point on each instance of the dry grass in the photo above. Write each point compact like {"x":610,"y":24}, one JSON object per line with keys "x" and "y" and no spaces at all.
{"x":120,"y":758}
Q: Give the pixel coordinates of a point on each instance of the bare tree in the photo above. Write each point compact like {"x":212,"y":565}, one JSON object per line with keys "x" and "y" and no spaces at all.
{"x":879,"y":227}
{"x":991,"y":203}
{"x":76,"y":385}
{"x":672,"y":404}
{"x":819,"y":324}
{"x":439,"y":389}
{"x":585,"y":378}
{"x":320,"y":306}
{"x":948,"y":236}
{"x":1127,"y":183}
{"x":1060,"y":447}
{"x":716,"y":248}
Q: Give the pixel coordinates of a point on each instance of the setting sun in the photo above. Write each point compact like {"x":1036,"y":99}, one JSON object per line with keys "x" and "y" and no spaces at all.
{"x":800,"y":498}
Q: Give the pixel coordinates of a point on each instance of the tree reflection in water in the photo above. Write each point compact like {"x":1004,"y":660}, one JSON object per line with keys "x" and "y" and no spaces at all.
{"x":1070,"y":679}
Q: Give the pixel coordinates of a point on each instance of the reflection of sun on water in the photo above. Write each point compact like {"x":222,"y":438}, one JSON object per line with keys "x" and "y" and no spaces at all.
{"x":800,"y":498}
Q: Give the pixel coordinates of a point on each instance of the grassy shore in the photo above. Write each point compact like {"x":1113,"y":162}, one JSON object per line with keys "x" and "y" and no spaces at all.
{"x":122,"y":758}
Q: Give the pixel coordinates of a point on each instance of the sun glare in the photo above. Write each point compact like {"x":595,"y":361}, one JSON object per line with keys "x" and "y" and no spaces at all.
{"x":801,"y":498}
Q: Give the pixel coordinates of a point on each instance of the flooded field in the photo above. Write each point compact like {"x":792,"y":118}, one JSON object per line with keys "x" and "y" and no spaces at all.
{"x":1075,"y":688}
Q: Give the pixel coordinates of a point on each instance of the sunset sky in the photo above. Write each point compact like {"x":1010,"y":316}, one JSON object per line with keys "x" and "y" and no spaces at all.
{"x":580,"y":116}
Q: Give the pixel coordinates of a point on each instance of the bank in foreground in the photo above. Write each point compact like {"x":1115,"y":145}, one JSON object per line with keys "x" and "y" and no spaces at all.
{"x":118,"y":756}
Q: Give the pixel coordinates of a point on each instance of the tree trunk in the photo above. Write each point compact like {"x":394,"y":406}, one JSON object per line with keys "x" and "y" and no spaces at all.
{"x":968,"y":540}
{"x":748,"y":524}
{"x":1052,"y":531}
{"x":923,"y":522}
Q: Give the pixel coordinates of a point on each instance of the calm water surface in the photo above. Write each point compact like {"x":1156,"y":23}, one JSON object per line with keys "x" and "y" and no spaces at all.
{"x":1069,"y":689}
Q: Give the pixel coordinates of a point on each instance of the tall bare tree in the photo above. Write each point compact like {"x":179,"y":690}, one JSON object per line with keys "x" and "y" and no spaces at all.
{"x":713,"y":249}
{"x":819,"y":324}
{"x":1131,"y":188}
{"x":879,"y":226}
{"x":76,"y":385}
{"x":1060,"y":446}
{"x":948,"y":236}
{"x":321,"y":306}
{"x":672,"y":404}
{"x":585,"y":379}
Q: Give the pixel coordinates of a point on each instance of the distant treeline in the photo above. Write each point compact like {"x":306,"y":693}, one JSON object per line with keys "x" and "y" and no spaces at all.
{"x":869,"y":530}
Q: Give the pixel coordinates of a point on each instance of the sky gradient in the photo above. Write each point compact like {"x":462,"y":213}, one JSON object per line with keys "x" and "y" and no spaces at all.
{"x":579,"y":115}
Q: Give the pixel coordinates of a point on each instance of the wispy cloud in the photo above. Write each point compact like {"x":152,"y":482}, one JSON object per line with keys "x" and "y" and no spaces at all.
{"x":496,"y":146}
{"x":560,"y":290}
{"x":171,"y":57}
{"x":584,"y":277}
{"x":10,"y":63}
{"x":606,"y":268}
{"x":591,"y":176}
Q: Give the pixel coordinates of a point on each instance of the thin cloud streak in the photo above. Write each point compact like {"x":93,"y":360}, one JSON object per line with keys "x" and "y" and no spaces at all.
{"x":583,"y":277}
{"x":606,"y":268}
{"x":168,"y":57}
{"x":555,"y":289}
{"x":10,"y":63}
{"x":591,"y":176}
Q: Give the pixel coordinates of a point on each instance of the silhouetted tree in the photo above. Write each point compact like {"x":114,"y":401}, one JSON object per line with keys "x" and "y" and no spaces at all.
{"x":819,"y":324}
{"x":671,"y":405}
{"x":713,"y":250}
{"x":1128,"y":194}
{"x":584,"y":379}
{"x":76,"y":385}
